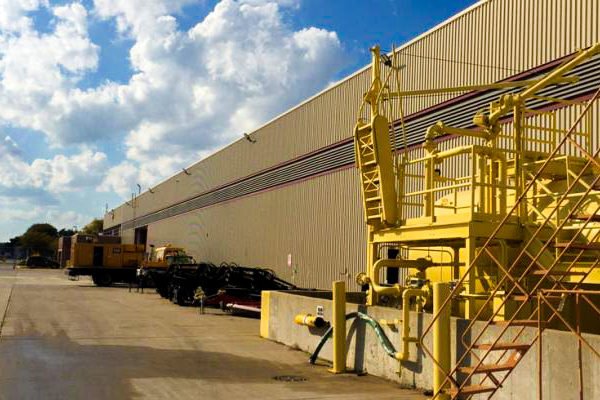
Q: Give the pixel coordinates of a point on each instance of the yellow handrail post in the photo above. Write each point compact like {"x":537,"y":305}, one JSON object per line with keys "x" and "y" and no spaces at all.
{"x":441,"y":339}
{"x":339,"y":327}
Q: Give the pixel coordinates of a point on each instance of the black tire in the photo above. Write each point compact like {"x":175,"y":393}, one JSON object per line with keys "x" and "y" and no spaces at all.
{"x":102,"y":279}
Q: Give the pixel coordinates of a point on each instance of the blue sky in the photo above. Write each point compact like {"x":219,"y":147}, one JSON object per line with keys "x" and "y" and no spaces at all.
{"x":94,"y":93}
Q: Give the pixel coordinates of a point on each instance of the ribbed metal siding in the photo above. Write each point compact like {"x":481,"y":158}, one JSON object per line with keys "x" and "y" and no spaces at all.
{"x":325,"y":242}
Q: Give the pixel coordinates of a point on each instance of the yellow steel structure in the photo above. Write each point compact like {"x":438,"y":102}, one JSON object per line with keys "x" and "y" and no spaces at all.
{"x":265,"y":297}
{"x":441,"y":338}
{"x":523,"y":216}
{"x":339,"y":327}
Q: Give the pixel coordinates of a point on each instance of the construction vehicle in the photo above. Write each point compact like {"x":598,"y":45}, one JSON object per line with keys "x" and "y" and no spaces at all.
{"x":104,"y":258}
{"x":514,"y":204}
{"x":153,"y":271}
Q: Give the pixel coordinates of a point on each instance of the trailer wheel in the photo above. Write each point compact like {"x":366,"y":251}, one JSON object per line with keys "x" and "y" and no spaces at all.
{"x":102,"y":279}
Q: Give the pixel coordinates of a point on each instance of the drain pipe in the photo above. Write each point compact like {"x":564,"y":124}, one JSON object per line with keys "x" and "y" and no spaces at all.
{"x":310,"y":320}
{"x":397,"y":290}
{"x":407,"y":294}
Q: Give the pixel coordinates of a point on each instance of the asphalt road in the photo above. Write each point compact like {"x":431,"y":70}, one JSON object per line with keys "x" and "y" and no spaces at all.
{"x":62,"y":339}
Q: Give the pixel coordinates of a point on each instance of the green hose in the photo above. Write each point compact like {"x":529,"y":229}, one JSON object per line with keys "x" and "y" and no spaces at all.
{"x":383,"y":339}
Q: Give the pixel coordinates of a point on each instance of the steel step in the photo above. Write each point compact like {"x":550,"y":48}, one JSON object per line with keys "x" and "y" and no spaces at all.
{"x":519,"y":322}
{"x":585,"y":217}
{"x":557,"y":273}
{"x":578,"y":246}
{"x":470,"y":390}
{"x":522,"y":297}
{"x":484,"y":369}
{"x":503,"y":346}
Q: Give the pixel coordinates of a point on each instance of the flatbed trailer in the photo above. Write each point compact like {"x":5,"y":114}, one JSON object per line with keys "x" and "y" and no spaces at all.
{"x":192,"y":284}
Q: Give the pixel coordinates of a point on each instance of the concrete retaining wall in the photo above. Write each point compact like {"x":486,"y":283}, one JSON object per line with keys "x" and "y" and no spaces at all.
{"x":560,"y":364}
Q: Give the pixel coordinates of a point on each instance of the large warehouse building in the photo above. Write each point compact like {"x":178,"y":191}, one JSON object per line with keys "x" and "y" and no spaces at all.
{"x":289,"y":198}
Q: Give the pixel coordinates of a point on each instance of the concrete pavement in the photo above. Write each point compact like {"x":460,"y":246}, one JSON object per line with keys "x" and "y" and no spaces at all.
{"x":64,"y":339}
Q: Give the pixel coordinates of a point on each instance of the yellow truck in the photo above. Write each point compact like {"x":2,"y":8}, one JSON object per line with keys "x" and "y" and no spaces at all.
{"x":154,"y":271}
{"x":162,"y":257}
{"x":104,"y":258}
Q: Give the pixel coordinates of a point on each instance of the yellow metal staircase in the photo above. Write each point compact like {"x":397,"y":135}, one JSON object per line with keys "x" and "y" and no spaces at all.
{"x":559,"y":249}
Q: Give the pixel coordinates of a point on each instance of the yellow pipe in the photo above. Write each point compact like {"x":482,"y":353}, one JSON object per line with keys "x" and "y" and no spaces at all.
{"x":441,"y":339}
{"x":440,"y":129}
{"x":508,"y":101}
{"x":309,"y":320}
{"x":371,"y":97}
{"x":339,"y":327}
{"x":397,"y":289}
{"x":390,"y":321}
{"x":407,"y":294}
{"x":467,"y":88}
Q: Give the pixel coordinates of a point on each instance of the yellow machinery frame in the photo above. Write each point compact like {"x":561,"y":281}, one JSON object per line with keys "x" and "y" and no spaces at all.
{"x":498,"y":218}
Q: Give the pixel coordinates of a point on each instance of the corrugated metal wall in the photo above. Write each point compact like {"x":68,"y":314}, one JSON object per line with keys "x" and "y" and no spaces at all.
{"x":261,"y":230}
{"x":319,"y":221}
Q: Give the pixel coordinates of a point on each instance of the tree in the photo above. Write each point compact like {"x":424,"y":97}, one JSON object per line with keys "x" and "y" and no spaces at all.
{"x":94,"y":227}
{"x":39,"y":238}
{"x":66,"y":232}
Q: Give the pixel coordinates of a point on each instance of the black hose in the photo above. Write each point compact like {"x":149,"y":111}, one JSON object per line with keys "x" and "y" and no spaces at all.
{"x":383,"y":339}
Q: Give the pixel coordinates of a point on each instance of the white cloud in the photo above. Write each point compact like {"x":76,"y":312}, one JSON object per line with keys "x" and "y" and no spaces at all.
{"x":191,"y":91}
{"x":10,"y":213}
{"x":63,"y":174}
{"x":136,"y":16}
{"x":121,"y":179}
{"x":17,"y":217}
{"x":56,"y":175}
{"x":13,"y":14}
{"x":67,"y":219}
{"x":38,"y":70}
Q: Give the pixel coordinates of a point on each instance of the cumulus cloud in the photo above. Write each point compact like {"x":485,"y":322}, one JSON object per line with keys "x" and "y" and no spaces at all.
{"x":191,"y":91}
{"x":37,"y":70}
{"x":120,"y":179}
{"x":56,"y":175}
{"x":66,"y":219}
{"x":30,"y":191}
{"x":13,"y":14}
